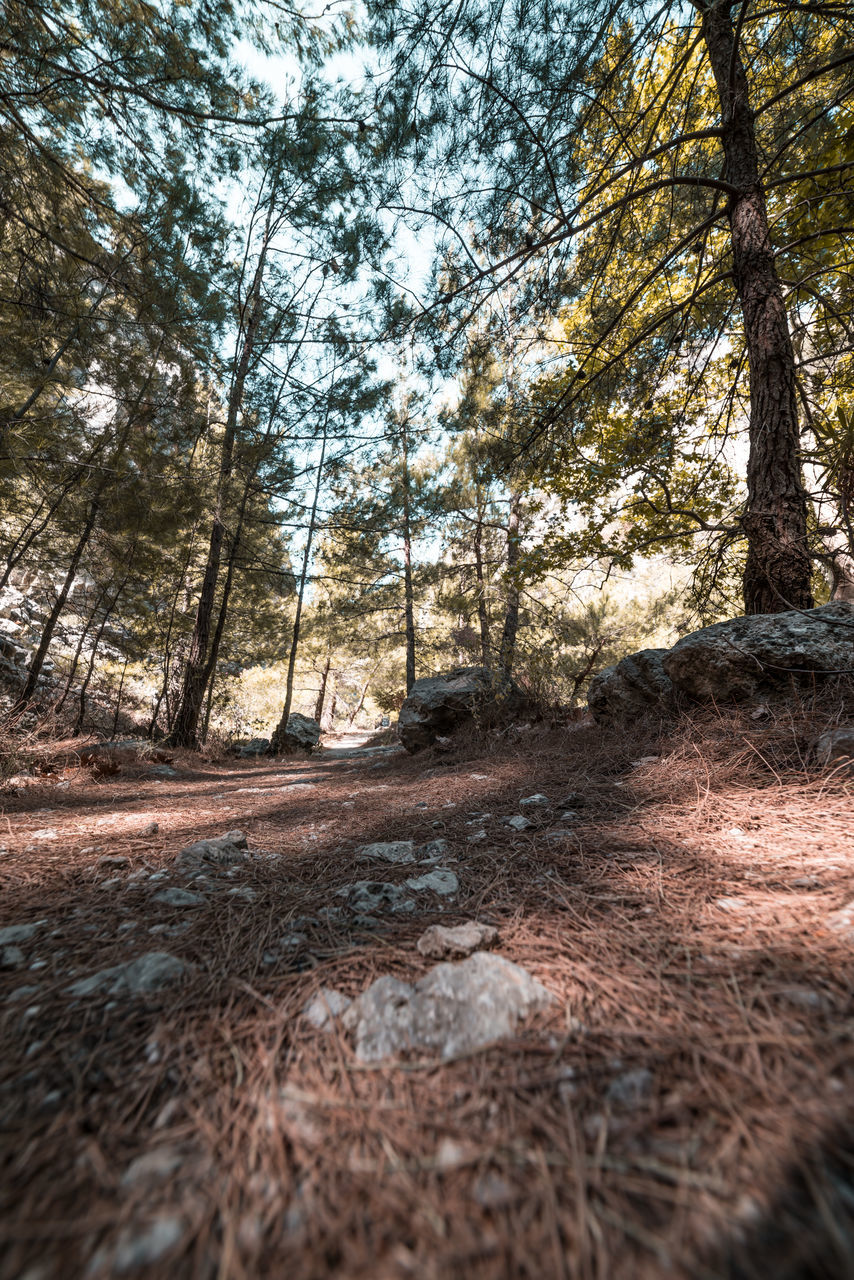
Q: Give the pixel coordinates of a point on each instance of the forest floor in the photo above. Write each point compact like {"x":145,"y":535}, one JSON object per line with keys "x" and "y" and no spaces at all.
{"x":684,"y":1108}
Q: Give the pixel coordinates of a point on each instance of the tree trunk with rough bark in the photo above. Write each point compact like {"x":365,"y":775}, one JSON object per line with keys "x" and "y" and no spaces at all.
{"x":480,"y":577}
{"x":507,"y":648}
{"x":777,"y":572}
{"x":281,"y":727}
{"x":37,"y":660}
{"x":184,"y":729}
{"x":321,"y":694}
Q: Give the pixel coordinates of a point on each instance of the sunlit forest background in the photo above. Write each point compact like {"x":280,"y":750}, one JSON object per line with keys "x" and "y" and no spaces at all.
{"x":343,"y":347}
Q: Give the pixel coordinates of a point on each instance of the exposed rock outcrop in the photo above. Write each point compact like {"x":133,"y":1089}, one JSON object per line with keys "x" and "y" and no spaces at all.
{"x":437,"y":705}
{"x":301,"y":734}
{"x":732,"y":661}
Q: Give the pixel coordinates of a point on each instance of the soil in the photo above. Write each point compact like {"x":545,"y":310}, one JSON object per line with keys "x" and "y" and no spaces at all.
{"x":683,"y":1110}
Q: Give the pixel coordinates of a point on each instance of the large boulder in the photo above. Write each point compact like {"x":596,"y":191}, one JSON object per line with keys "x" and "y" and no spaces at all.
{"x":738,"y":659}
{"x":636,"y":685}
{"x":730,"y":661}
{"x":437,"y":705}
{"x":252,"y":747}
{"x":300,"y":734}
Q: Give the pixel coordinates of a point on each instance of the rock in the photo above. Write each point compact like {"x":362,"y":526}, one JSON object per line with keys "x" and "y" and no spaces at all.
{"x":836,"y":747}
{"x":163,"y":771}
{"x":11,"y":957}
{"x":150,"y":829}
{"x":433,"y":851}
{"x":152,"y":1166}
{"x":322,"y":1010}
{"x":143,"y":976}
{"x":635,"y":685}
{"x":395,"y":851}
{"x":842,"y":921}
{"x":437,"y":705}
{"x":538,"y":801}
{"x":218,"y":851}
{"x":441,"y":881}
{"x":113,"y":861}
{"x":491,"y":1191}
{"x":254,"y":747}
{"x":244,"y":892}
{"x":301,"y":734}
{"x":367,"y":896}
{"x":631,"y":1089}
{"x":20,"y":932}
{"x":734,"y":660}
{"x":442,"y":943}
{"x":517,"y":822}
{"x":730,"y":661}
{"x":180,"y":898}
{"x":140,"y":1248}
{"x":454,"y":1009}
{"x":23,"y":993}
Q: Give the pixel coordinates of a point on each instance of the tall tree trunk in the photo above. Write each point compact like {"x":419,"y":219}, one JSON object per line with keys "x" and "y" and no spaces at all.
{"x":119,"y":700}
{"x":777,"y":572}
{"x":482,"y":611}
{"x":352,"y":716}
{"x":185,"y":727}
{"x":77,"y":652}
{"x":281,"y":728}
{"x":321,"y":694}
{"x":108,"y":613}
{"x":408,"y":590}
{"x":507,"y":648}
{"x":37,"y":660}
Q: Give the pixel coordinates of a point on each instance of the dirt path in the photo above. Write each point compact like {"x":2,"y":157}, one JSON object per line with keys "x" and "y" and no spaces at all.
{"x":684,"y":1109}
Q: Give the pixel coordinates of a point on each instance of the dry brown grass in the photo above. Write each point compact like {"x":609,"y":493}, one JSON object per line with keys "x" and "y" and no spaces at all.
{"x":293,"y":1160}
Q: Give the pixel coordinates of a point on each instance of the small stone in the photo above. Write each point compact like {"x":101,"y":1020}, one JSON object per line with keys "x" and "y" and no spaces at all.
{"x":152,"y":1166}
{"x":805,"y":998}
{"x":20,"y":932}
{"x":22,"y":993}
{"x":368,"y":896}
{"x":538,"y":801}
{"x":140,"y":1248}
{"x":180,"y":898}
{"x":452,"y":1155}
{"x":569,"y":815}
{"x":46,"y":833}
{"x":148,"y":973}
{"x":150,"y":829}
{"x":395,"y":851}
{"x":244,"y":892}
{"x":442,"y":943}
{"x":113,"y":861}
{"x":322,"y":1010}
{"x":441,"y":881}
{"x":455,"y":1008}
{"x":517,"y":822}
{"x":433,"y":850}
{"x":11,"y":957}
{"x":842,"y":921}
{"x":491,"y":1191}
{"x":631,"y":1089}
{"x":163,"y":771}
{"x":219,"y":851}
